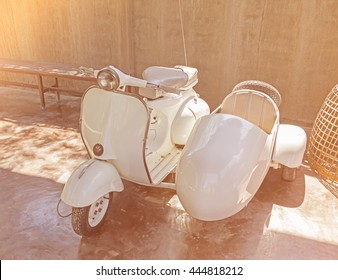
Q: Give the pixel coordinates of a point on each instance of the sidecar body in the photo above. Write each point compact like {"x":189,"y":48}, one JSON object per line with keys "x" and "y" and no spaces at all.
{"x":228,"y":155}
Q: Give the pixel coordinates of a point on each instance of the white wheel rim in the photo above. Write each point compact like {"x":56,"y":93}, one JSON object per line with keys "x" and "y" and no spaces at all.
{"x":97,"y":210}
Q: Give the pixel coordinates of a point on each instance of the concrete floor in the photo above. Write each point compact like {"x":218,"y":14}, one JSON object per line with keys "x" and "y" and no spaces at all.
{"x":38,"y":151}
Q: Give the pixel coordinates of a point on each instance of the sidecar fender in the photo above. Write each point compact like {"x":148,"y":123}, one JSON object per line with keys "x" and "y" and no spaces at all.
{"x":91,"y":180}
{"x":222,"y":166}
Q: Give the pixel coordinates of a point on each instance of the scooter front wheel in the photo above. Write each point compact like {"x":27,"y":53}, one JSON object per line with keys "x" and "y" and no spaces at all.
{"x":88,"y":220}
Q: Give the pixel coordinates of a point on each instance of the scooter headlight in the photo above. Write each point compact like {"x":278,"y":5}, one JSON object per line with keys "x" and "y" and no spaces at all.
{"x":108,"y":79}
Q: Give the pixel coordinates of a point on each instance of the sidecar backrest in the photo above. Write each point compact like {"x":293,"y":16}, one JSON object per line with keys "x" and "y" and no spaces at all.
{"x":253,"y":106}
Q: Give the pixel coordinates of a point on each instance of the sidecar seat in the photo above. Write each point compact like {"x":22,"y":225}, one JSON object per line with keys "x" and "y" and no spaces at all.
{"x":253,"y":106}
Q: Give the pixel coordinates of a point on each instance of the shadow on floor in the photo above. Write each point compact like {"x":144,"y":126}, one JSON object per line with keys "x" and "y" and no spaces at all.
{"x":143,"y":225}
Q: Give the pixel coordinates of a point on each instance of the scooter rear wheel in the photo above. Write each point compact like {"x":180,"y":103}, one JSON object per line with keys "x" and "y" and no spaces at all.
{"x":87,"y":221}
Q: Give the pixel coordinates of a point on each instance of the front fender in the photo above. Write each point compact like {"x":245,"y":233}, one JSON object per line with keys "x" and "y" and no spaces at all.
{"x":91,"y":180}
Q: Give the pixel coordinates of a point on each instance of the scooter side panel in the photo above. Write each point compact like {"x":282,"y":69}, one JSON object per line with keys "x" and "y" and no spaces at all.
{"x":222,"y":166}
{"x":186,"y":119}
{"x":91,"y":180}
{"x":118,"y":122}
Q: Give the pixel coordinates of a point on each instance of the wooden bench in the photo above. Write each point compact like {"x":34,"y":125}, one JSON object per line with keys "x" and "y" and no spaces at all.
{"x":43,"y":70}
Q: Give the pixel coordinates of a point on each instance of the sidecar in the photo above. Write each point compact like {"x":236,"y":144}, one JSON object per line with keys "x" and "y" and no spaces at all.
{"x":229,"y":153}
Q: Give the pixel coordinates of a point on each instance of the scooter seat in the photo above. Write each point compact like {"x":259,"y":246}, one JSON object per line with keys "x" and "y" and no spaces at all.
{"x":192,"y":76}
{"x":165,"y":76}
{"x":177,"y":78}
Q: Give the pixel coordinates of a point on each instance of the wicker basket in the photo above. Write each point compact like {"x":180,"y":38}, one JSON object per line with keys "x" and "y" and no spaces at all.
{"x":323,"y":147}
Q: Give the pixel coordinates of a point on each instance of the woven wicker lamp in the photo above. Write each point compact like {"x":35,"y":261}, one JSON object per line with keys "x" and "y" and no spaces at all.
{"x":323,"y":147}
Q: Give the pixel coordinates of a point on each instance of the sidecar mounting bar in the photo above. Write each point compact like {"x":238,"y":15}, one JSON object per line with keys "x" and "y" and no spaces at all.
{"x":166,"y":185}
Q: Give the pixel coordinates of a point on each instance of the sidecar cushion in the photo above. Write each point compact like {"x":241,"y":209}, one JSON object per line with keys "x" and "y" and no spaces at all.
{"x":253,"y":106}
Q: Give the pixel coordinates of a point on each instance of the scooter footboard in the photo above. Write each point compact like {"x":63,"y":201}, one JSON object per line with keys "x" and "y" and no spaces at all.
{"x":91,"y":180}
{"x":222,"y":166}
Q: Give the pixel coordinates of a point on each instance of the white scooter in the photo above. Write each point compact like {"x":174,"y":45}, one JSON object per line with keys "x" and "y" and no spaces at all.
{"x":220,"y":159}
{"x":138,"y":137}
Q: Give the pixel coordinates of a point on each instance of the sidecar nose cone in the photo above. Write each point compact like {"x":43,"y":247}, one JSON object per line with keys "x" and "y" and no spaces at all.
{"x":98,"y":150}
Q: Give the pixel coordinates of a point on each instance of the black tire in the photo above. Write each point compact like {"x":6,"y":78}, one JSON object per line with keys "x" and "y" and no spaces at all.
{"x":81,"y":222}
{"x":262,"y":87}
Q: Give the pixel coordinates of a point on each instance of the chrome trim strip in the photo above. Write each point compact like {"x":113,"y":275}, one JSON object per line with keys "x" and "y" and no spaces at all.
{"x":217,"y":109}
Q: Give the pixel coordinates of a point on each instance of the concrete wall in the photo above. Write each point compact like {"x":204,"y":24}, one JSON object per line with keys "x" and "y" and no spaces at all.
{"x":291,"y":44}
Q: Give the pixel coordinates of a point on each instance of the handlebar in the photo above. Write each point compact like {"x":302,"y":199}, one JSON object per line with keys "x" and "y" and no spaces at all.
{"x":112,"y":78}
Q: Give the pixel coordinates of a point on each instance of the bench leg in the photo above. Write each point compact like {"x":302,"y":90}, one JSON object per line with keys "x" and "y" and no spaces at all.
{"x":57,"y":93}
{"x":41,"y":91}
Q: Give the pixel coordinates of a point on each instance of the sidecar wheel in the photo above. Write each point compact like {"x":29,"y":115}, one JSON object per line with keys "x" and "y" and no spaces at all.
{"x":88,"y":220}
{"x":289,"y":174}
